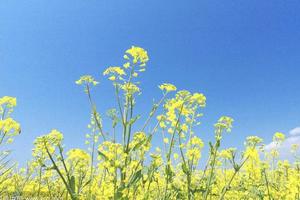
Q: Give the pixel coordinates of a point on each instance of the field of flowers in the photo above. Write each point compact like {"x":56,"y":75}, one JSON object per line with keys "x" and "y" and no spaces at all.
{"x":125,"y":164}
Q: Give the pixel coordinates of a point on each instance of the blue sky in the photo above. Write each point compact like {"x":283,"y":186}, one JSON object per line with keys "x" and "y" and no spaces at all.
{"x":243,"y":55}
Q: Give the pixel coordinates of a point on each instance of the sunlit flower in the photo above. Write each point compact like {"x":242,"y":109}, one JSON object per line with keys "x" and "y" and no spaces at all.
{"x":167,"y":87}
{"x":87,"y":79}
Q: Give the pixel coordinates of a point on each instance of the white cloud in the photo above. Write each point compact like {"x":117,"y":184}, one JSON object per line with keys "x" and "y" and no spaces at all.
{"x":270,"y":146}
{"x":285,"y":147}
{"x":295,"y":131}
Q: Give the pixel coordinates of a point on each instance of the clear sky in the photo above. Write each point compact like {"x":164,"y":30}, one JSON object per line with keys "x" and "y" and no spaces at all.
{"x":243,"y":55}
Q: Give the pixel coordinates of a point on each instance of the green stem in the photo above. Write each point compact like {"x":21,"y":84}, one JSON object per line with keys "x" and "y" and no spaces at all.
{"x":215,"y":150}
{"x":168,"y":167}
{"x":94,"y":112}
{"x":267,"y":184}
{"x":73,"y":197}
{"x":154,"y":109}
{"x":226,"y":187}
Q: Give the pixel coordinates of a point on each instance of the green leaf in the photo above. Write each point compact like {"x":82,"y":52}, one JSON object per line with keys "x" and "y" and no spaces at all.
{"x":185,"y":169}
{"x":102,"y":155}
{"x":72,"y":184}
{"x":133,"y":120}
{"x":135,"y":178}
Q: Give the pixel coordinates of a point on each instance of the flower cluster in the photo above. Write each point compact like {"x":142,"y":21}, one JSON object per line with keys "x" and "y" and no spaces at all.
{"x":127,"y":161}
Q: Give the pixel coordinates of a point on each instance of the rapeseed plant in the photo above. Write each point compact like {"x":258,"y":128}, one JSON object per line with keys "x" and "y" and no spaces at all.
{"x":123,"y":164}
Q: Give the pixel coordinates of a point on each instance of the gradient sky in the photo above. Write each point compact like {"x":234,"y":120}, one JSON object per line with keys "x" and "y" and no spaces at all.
{"x":243,"y":55}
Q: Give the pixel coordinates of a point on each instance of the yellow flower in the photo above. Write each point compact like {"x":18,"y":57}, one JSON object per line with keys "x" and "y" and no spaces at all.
{"x":227,"y":153}
{"x":8,"y":101}
{"x":193,"y":154}
{"x":78,"y":157}
{"x":196,"y":141}
{"x":199,"y":99}
{"x":157,"y":160}
{"x":87,"y":79}
{"x":138,"y":54}
{"x":114,"y":70}
{"x":6,"y":105}
{"x":10,"y":127}
{"x":112,"y":78}
{"x":175,"y":155}
{"x":9,"y":140}
{"x":184,"y":127}
{"x":166,"y":140}
{"x":224,"y":122}
{"x":130,"y":88}
{"x":127,"y":64}
{"x":167,"y":87}
{"x":114,"y":73}
{"x":278,"y":137}
{"x":253,"y":141}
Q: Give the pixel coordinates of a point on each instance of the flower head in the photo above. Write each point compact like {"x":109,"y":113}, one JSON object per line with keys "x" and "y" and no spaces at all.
{"x":278,"y":137}
{"x":167,"y":87}
{"x":10,"y":127}
{"x":86,"y":79}
{"x":253,"y":141}
{"x":224,"y":122}
{"x":8,"y":101}
{"x":130,"y":88}
{"x":138,"y":54}
{"x":7,"y":104}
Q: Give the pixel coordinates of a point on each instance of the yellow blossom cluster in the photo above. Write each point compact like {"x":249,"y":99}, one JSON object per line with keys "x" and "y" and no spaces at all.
{"x":133,"y":156}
